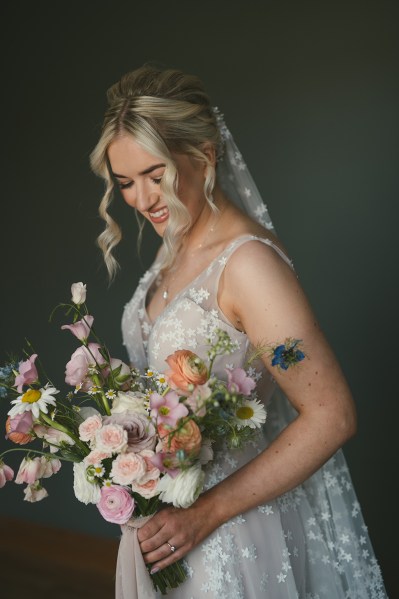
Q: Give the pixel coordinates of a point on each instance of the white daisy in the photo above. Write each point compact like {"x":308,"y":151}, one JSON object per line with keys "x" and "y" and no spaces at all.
{"x":161,"y":381}
{"x":93,"y":390}
{"x":35,"y":401}
{"x":251,"y":413}
{"x":110,"y":394}
{"x":99,"y":470}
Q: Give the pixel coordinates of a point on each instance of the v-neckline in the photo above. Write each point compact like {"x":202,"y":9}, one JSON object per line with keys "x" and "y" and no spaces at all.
{"x":190,"y":284}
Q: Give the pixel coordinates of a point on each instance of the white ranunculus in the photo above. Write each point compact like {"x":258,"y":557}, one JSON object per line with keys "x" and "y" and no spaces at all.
{"x":131,"y":401}
{"x":85,"y":491}
{"x":184,"y":489}
{"x":78,"y":291}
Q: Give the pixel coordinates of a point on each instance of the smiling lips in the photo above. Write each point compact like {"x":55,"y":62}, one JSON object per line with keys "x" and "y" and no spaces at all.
{"x":160,"y":215}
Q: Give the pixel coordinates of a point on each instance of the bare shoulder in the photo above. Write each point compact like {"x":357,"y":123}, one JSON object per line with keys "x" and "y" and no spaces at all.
{"x":258,"y":258}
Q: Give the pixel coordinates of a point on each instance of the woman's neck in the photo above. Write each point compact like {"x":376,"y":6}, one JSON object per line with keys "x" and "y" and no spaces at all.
{"x":206,"y":224}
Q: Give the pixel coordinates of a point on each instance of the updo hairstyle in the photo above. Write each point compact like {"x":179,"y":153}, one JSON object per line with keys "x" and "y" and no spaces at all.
{"x":164,"y":111}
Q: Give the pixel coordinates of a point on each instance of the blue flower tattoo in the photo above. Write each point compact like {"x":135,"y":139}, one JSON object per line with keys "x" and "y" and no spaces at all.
{"x":287,"y":354}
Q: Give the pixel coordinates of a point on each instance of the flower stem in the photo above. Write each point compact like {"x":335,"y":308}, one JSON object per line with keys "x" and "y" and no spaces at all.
{"x":58,"y":457}
{"x":64,"y":429}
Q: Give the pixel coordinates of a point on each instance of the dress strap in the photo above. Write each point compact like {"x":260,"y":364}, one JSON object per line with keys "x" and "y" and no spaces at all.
{"x":245,"y":238}
{"x":215,"y":270}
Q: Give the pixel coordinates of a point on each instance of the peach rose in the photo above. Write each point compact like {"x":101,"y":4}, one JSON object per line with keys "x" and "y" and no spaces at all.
{"x":127,"y":467}
{"x":148,"y":489}
{"x":96,"y":456}
{"x":186,"y":368}
{"x":187,"y":437}
{"x":89,"y":427}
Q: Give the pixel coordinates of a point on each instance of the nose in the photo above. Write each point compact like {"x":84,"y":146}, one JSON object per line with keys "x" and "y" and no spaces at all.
{"x":145,"y":198}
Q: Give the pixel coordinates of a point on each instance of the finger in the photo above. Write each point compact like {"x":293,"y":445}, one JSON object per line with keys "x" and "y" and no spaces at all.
{"x":162,"y":563}
{"x":160,"y":553}
{"x":155,"y":542}
{"x":149,"y":529}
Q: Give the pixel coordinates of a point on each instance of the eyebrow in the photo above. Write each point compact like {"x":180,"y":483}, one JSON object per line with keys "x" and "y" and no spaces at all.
{"x":145,"y":172}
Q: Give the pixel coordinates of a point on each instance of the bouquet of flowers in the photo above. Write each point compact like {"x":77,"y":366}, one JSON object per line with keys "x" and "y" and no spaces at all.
{"x":137,"y":440}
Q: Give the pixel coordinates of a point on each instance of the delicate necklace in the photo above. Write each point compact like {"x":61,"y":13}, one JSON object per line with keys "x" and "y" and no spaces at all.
{"x":169,"y":281}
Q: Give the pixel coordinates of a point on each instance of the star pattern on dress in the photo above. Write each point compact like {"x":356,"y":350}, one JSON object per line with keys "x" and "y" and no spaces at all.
{"x":333,"y":541}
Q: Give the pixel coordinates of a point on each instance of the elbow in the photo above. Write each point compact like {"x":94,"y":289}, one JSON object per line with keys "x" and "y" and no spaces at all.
{"x":347,"y":425}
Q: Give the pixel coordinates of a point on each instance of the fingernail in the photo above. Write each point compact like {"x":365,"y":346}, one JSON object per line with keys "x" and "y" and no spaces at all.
{"x":155,"y":570}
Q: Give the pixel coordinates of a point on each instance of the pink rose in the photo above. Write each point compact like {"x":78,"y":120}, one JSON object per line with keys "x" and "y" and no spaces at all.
{"x":140,"y":431}
{"x":127,"y":467}
{"x":89,"y":428}
{"x":29,"y":471}
{"x":27,"y":373}
{"x":19,"y":428}
{"x":167,"y":408}
{"x":186,"y":369}
{"x":78,"y":365}
{"x":239,"y":381}
{"x":116,"y":504}
{"x":111,"y":438}
{"x":152,"y":472}
{"x":147,"y":485}
{"x":35,"y":492}
{"x":82,"y":328}
{"x":95,"y":457}
{"x":6,"y":474}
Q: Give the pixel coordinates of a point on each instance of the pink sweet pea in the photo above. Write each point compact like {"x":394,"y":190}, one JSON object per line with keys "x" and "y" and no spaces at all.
{"x":116,"y":504}
{"x":49,"y":466}
{"x":35,"y":492}
{"x":52,"y":436}
{"x":121,"y":373}
{"x":6,"y":473}
{"x":239,"y":381}
{"x":81,"y":329}
{"x":167,"y":408}
{"x":78,"y":365}
{"x":27,"y":373}
{"x":29,"y":471}
{"x":78,"y":291}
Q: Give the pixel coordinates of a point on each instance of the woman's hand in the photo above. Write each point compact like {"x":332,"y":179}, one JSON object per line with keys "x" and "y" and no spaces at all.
{"x":181,"y":528}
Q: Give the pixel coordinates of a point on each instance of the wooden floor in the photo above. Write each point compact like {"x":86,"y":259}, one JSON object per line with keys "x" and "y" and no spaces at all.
{"x":38,"y":562}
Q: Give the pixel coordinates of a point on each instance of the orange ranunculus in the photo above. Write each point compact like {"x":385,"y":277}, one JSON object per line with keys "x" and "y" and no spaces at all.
{"x":187,"y":437}
{"x":186,"y":368}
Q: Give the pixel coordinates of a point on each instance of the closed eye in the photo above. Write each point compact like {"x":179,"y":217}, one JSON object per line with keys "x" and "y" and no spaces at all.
{"x":125,"y":185}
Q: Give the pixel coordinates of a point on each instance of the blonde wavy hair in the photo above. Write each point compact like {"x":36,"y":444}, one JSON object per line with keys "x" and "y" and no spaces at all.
{"x":165,"y":111}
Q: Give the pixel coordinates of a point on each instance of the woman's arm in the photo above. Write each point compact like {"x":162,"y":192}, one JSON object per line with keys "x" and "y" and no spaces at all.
{"x":263,"y":294}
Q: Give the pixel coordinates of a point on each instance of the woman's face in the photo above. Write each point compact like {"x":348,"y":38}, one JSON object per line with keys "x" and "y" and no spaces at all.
{"x":139,"y":175}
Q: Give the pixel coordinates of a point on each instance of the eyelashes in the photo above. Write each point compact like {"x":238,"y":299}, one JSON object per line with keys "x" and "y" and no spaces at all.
{"x":157,"y":181}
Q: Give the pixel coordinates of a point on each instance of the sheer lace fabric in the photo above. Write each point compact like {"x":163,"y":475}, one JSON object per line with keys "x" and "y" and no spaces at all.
{"x":310,"y":543}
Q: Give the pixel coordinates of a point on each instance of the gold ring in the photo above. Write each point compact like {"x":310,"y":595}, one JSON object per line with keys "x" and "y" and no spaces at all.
{"x":172,"y":547}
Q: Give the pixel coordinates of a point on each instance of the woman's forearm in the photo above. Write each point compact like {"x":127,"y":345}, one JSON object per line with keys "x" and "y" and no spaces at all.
{"x":294,"y":456}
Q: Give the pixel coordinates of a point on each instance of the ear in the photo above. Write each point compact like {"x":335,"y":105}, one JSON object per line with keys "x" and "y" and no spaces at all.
{"x":210,"y":152}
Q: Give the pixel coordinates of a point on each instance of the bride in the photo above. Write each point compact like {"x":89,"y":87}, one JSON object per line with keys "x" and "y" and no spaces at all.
{"x":279,"y":519}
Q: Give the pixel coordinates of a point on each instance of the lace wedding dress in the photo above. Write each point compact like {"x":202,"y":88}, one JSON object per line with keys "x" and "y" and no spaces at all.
{"x":310,"y":543}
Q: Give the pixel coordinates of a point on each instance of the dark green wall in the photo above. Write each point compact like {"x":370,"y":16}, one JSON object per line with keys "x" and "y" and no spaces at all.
{"x":311,"y":94}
